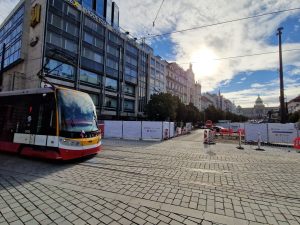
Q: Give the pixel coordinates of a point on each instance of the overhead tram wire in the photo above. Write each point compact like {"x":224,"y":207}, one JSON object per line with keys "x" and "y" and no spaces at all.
{"x":220,"y":23}
{"x":158,"y":12}
{"x":223,"y":58}
{"x":241,"y":56}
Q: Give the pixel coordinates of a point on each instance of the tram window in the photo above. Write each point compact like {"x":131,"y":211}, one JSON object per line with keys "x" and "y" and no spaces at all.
{"x":46,"y":116}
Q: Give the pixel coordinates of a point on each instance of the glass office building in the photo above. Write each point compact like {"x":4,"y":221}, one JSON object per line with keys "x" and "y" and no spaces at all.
{"x":11,"y":38}
{"x":81,"y":50}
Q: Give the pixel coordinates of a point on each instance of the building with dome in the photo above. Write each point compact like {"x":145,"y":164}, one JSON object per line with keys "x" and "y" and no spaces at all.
{"x":259,"y":111}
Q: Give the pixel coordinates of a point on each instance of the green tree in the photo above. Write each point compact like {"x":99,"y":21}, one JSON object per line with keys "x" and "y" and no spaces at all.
{"x":294,"y":117}
{"x":161,"y":107}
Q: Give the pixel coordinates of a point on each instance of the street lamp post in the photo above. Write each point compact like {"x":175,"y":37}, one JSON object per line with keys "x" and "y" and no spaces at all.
{"x":282,"y":105}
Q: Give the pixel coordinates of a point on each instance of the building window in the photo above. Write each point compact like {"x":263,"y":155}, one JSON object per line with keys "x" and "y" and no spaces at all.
{"x":59,"y":69}
{"x":71,"y":29}
{"x":95,"y":99}
{"x":110,"y":102}
{"x":58,"y":4}
{"x":111,"y":84}
{"x":112,"y":64}
{"x":87,"y":4}
{"x":131,"y":61}
{"x":129,"y":89}
{"x":70,"y":45}
{"x":89,"y":38}
{"x":152,"y":62}
{"x":55,"y":20}
{"x":89,"y":54}
{"x":113,"y":51}
{"x":100,"y":8}
{"x":94,"y":26}
{"x":61,"y":42}
{"x":10,"y":34}
{"x":129,"y":105}
{"x":89,"y":77}
{"x":72,"y":12}
{"x":132,"y":49}
{"x":114,"y":38}
{"x":130,"y":75}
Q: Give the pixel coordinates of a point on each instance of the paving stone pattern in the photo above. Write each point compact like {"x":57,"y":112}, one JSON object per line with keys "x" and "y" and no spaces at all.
{"x":179,"y":181}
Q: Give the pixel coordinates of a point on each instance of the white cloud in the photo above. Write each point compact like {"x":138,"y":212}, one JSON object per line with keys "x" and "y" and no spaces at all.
{"x":233,"y":39}
{"x":256,"y":85}
{"x":5,"y":8}
{"x":243,"y":78}
{"x":295,"y":72}
{"x":269,"y":92}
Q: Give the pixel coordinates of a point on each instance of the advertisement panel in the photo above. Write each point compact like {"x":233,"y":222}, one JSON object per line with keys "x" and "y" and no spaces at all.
{"x":252,"y":131}
{"x":132,"y":130}
{"x":152,"y":130}
{"x":282,"y":133}
{"x":113,"y":129}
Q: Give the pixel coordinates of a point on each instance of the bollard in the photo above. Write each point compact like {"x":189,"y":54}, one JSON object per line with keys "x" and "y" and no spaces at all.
{"x":240,"y":141}
{"x":259,"y":143}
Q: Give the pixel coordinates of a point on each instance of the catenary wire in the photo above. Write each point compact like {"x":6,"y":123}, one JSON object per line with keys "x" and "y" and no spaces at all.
{"x":158,"y":12}
{"x":241,"y":56}
{"x":219,"y":23}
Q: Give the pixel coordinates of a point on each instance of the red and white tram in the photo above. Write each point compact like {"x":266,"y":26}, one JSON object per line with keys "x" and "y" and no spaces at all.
{"x":54,"y":123}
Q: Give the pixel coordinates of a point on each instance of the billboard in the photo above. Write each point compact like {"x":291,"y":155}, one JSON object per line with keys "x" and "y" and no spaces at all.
{"x":282,"y":133}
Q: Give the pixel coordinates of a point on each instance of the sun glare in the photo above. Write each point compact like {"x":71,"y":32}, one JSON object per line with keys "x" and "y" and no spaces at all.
{"x":204,"y":63}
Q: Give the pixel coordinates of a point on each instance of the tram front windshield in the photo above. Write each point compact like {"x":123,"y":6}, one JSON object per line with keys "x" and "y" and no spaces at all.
{"x":77,"y":114}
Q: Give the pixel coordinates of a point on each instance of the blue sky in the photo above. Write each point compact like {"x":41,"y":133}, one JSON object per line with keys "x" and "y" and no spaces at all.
{"x":241,"y":79}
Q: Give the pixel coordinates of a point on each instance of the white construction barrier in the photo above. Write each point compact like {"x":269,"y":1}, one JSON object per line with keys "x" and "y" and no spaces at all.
{"x":152,"y":130}
{"x":235,"y":127}
{"x":282,"y":133}
{"x":132,"y":130}
{"x":252,"y":130}
{"x":172,"y":129}
{"x":113,"y":129}
{"x":188,"y":126}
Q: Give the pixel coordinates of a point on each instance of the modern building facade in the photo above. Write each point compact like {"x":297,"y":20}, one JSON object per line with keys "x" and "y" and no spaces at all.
{"x":157,"y":78}
{"x":75,"y":44}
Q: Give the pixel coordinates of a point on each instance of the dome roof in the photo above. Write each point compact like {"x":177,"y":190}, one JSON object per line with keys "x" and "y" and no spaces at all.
{"x":258,"y":101}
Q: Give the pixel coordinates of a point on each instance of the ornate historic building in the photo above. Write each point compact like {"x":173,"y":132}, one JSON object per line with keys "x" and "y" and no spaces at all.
{"x":259,"y":111}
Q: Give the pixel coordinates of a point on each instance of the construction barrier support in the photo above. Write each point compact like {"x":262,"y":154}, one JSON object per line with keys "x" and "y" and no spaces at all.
{"x":259,"y":143}
{"x":240,"y":141}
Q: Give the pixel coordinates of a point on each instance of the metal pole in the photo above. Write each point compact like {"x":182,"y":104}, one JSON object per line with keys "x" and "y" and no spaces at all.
{"x":2,"y":67}
{"x":119,"y":106}
{"x":282,"y":105}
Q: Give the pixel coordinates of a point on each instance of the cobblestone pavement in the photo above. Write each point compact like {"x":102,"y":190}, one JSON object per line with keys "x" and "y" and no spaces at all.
{"x":179,"y":181}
